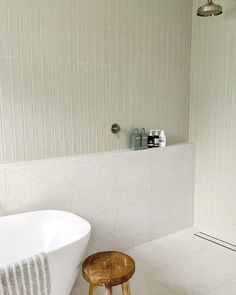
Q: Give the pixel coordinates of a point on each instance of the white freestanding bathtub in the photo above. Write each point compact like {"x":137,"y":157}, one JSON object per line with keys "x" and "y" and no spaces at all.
{"x":62,"y":235}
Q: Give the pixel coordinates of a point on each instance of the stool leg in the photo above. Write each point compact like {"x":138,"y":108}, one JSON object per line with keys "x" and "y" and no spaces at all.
{"x":108,"y":290}
{"x":126,"y":288}
{"x":92,"y":289}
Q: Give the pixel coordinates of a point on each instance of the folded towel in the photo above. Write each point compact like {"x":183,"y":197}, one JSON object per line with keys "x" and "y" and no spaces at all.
{"x":29,"y":276}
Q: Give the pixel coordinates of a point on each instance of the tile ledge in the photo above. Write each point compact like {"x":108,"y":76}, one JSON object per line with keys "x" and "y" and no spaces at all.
{"x":98,"y":154}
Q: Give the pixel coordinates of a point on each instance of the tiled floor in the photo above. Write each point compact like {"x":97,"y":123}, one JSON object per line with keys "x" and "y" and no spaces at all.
{"x":180,"y":264}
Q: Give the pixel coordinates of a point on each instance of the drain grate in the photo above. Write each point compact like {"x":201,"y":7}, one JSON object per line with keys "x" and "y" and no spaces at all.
{"x":214,"y":240}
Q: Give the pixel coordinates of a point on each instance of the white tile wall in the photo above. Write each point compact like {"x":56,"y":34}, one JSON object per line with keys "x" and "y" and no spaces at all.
{"x":133,"y":185}
{"x":212,"y":120}
{"x":89,"y":180}
{"x":115,"y":192}
{"x":181,"y":177}
{"x":90,"y":194}
{"x":35,"y":186}
{"x":69,"y":69}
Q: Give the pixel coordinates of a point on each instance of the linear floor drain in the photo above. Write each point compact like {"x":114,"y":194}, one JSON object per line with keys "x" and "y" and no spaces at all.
{"x":214,"y":240}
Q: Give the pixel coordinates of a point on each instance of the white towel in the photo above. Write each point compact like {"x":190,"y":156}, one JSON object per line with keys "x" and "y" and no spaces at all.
{"x":29,"y":276}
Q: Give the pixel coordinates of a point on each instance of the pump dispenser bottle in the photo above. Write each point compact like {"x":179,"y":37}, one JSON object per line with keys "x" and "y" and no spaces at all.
{"x":144,"y":139}
{"x":150,"y":139}
{"x":162,"y":139}
{"x":156,"y":139}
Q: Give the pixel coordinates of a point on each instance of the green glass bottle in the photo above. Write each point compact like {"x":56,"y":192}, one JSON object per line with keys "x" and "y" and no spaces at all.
{"x":144,"y":139}
{"x":135,"y":140}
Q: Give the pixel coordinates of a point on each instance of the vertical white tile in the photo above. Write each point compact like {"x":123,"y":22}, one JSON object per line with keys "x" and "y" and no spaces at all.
{"x":48,"y":109}
{"x":35,"y":37}
{"x":17,"y":100}
{"x":55,"y":39}
{"x":24,"y":6}
{"x":14,"y":34}
{"x":57,"y":108}
{"x":44,"y":6}
{"x":35,"y":7}
{"x":28,"y":100}
{"x":75,"y":109}
{"x":3,"y":5}
{"x":82,"y":42}
{"x":73,"y":36}
{"x":25,"y":35}
{"x":66,"y":105}
{"x":64,"y":35}
{"x":54,"y":7}
{"x":4,"y":36}
{"x":45,"y":37}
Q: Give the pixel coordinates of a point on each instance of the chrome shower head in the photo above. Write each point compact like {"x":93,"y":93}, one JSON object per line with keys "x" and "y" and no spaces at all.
{"x":210,"y":9}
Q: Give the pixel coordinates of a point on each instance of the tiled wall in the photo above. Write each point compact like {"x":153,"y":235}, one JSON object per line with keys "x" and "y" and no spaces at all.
{"x":70,"y":68}
{"x":213,"y":120}
{"x":150,"y":191}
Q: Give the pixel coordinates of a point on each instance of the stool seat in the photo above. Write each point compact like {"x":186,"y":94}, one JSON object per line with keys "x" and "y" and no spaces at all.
{"x":108,"y":268}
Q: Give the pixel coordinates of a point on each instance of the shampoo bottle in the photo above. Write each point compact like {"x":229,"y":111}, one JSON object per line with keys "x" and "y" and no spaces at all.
{"x":144,"y":139}
{"x":156,"y":139}
{"x":162,"y":139}
{"x":135,"y":140}
{"x":150,"y":139}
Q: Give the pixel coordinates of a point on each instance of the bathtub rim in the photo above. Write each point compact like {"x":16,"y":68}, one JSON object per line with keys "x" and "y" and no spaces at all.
{"x":64,"y":213}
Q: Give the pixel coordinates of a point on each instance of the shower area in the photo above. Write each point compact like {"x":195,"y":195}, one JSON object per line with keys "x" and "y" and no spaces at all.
{"x":212,"y":118}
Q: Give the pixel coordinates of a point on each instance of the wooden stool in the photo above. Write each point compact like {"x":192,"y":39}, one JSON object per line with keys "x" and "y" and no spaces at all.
{"x":108,"y":269}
